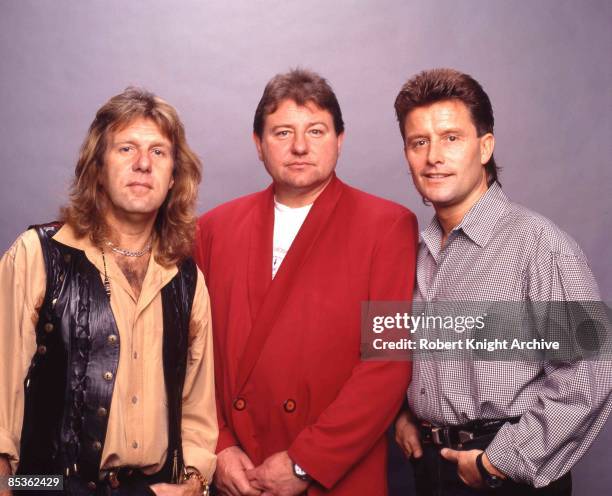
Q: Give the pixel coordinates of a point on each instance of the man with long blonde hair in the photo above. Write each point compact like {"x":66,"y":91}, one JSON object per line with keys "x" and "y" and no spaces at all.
{"x":108,"y":321}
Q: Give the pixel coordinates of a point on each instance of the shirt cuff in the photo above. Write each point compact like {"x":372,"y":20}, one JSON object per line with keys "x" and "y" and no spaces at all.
{"x":201,"y":459}
{"x":505,"y":456}
{"x":9,"y":446}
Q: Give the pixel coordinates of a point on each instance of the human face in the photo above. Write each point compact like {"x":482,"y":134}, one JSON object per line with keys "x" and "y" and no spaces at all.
{"x":299,"y":148}
{"x":446,"y":157}
{"x":137,"y":171}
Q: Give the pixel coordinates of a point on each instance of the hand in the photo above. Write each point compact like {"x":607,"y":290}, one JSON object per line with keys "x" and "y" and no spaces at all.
{"x":275,"y":477}
{"x":230,"y":477}
{"x":407,"y":435}
{"x":190,"y":487}
{"x":5,"y":469}
{"x":467,"y":470}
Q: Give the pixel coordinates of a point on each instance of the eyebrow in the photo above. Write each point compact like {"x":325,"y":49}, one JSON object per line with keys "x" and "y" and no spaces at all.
{"x":310,"y":124}
{"x":153,"y":144}
{"x":450,"y":130}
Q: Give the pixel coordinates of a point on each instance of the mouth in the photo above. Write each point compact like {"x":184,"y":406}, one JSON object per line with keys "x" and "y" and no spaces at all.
{"x":139,"y":185}
{"x":437,"y":176}
{"x":299,"y":165}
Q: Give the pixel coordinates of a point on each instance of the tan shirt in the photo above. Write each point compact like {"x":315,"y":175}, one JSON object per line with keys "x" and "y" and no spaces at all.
{"x":137,"y":424}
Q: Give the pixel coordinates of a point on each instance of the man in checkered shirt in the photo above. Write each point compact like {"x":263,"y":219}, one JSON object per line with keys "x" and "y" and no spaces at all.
{"x":510,"y":427}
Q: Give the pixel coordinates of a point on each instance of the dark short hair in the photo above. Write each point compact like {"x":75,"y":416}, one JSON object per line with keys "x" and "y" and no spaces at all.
{"x":436,"y":85}
{"x":301,"y":86}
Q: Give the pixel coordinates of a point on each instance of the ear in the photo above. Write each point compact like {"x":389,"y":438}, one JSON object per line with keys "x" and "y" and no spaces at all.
{"x":171,"y":183}
{"x":257,"y":141}
{"x":340,"y":142}
{"x":487,"y":144}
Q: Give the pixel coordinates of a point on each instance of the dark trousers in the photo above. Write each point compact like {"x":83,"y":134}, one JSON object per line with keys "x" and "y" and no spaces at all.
{"x":435,"y":476}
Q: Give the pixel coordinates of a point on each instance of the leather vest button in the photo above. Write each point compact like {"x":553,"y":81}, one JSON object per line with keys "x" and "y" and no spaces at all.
{"x":67,"y":258}
{"x":42,"y":349}
{"x":108,"y":376}
{"x":290,"y":406}
{"x":112,"y":339}
{"x":48,"y":327}
{"x":91,"y":485}
{"x":97,"y":446}
{"x":54,"y":302}
{"x":61,"y":278}
{"x":239,"y":404}
{"x":102,"y":412}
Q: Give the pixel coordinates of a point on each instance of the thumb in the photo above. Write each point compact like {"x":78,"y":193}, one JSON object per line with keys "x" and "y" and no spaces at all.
{"x":450,"y":455}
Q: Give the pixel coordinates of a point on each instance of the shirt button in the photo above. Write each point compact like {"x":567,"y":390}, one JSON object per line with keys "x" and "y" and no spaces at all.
{"x":239,"y":404}
{"x":108,"y":376}
{"x":134,"y":399}
{"x":135,"y":355}
{"x":423,"y":391}
{"x":135,"y":445}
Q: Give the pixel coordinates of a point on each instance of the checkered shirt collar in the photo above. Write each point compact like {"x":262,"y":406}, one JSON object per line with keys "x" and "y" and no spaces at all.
{"x":478,"y":224}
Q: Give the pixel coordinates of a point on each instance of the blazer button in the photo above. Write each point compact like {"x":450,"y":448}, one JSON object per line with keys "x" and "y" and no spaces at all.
{"x":112,"y":339}
{"x":97,"y":446}
{"x":42,"y":349}
{"x":48,"y":327}
{"x":239,"y":404}
{"x":108,"y":376}
{"x":290,"y":406}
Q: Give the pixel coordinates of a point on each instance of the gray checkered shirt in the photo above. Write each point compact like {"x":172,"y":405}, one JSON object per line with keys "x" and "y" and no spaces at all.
{"x":502,"y":251}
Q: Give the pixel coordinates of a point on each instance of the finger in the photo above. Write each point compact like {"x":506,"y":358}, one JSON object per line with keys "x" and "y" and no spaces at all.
{"x":417,"y":448}
{"x":450,"y":455}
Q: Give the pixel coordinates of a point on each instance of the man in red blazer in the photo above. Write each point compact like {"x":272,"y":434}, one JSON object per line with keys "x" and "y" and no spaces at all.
{"x":287,"y":269}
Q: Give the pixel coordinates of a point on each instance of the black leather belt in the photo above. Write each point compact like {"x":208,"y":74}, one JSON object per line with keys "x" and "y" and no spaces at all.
{"x":455,"y":436}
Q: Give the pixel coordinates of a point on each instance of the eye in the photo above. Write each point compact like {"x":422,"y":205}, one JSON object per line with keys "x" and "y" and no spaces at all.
{"x":419,"y":142}
{"x":283,"y":133}
{"x":158,"y":152}
{"x":125,"y":149}
{"x":452,"y":137}
{"x":316,"y":132}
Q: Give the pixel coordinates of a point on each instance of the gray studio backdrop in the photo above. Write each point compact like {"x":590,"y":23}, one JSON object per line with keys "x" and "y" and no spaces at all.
{"x":545,"y":64}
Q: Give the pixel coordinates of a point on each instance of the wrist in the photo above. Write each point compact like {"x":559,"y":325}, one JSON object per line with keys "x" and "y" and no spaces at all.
{"x":193,"y":477}
{"x":489,"y":479}
{"x":492,"y":469}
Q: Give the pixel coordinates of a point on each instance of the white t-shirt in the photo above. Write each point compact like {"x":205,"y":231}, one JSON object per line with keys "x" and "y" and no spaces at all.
{"x":287,"y":223}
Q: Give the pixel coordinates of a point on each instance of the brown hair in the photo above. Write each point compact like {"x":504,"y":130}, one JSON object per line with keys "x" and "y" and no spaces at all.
{"x":302,"y":87}
{"x":175,"y":222}
{"x":435,"y":85}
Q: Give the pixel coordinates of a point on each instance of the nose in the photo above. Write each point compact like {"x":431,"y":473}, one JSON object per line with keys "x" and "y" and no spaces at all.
{"x":299,"y":144}
{"x":142,"y":162}
{"x":434,"y":153}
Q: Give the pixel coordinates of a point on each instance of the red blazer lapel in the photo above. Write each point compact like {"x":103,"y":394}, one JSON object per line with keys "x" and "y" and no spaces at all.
{"x":259,"y":274}
{"x":280,"y":287}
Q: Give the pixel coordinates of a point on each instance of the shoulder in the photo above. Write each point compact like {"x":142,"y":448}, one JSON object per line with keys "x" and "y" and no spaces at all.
{"x":26,"y":246}
{"x":374,"y":209}
{"x":232,"y":209}
{"x":541,"y":234}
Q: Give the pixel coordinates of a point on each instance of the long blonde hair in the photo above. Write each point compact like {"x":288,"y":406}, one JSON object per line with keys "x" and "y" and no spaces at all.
{"x":175,"y":222}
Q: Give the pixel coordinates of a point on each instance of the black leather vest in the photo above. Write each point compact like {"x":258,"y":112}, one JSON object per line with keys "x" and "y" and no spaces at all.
{"x":69,"y":385}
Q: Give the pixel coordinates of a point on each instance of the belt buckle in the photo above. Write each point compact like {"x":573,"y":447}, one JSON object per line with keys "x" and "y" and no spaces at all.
{"x":437,"y":435}
{"x":113,"y":480}
{"x":465,"y":436}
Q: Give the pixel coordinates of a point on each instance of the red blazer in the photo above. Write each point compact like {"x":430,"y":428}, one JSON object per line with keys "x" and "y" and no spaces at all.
{"x":287,"y":365}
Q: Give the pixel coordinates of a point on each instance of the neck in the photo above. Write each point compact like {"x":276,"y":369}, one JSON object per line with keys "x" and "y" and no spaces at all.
{"x":296,"y":198}
{"x":450,"y":216}
{"x":132,"y":234}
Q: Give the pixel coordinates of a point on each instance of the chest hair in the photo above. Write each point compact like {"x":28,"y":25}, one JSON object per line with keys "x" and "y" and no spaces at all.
{"x":134,"y":270}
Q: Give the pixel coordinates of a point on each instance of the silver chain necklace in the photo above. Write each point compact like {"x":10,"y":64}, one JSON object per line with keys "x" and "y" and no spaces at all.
{"x":129,"y":253}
